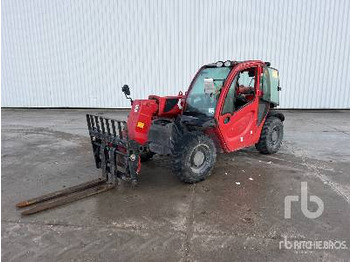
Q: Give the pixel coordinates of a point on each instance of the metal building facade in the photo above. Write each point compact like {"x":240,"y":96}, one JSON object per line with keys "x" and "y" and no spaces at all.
{"x":79,"y":53}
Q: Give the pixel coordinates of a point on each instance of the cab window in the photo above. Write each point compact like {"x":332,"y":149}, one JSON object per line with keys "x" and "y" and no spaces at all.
{"x":241,"y":92}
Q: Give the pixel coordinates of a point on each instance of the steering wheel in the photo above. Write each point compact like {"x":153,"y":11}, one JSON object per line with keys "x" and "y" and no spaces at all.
{"x":242,"y":98}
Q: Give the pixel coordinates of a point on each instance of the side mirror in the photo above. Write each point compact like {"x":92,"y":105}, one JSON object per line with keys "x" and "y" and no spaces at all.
{"x":126,"y":90}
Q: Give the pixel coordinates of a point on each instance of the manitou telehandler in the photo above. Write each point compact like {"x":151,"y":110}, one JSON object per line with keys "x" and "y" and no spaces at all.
{"x":228,"y":106}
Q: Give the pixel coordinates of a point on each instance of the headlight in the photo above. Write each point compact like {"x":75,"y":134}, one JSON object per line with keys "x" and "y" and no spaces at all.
{"x":219,"y":64}
{"x":227,"y":63}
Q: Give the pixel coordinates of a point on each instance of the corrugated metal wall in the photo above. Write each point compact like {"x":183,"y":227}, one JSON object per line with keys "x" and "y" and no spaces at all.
{"x":79,"y":53}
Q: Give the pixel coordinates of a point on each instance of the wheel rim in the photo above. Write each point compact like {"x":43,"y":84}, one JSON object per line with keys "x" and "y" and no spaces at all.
{"x":275,"y":136}
{"x":199,"y":158}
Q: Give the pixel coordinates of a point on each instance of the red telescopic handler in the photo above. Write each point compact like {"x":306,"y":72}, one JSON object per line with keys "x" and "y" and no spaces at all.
{"x":228,"y":106}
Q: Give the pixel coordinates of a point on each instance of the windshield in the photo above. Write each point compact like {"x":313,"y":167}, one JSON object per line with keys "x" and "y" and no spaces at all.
{"x":200,"y":101}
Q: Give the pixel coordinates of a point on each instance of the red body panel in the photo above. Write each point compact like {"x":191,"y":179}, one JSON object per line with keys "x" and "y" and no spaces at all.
{"x":169,"y":106}
{"x":141,"y":111}
{"x":144,"y":111}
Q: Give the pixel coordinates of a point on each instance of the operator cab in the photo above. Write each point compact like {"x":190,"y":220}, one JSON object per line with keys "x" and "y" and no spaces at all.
{"x":208,"y":84}
{"x":206,"y":88}
{"x":204,"y":93}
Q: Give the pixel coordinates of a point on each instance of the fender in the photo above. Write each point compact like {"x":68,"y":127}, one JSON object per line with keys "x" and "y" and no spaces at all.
{"x":277,"y":114}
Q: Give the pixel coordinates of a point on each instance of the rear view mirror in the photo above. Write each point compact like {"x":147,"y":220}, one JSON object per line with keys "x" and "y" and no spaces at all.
{"x":209,"y":87}
{"x":126,"y":90}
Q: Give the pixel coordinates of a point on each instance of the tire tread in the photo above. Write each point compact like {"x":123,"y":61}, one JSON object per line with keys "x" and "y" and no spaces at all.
{"x":262,"y":146}
{"x":180,"y":153}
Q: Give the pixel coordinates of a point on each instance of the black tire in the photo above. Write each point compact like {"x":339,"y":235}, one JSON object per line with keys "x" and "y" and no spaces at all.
{"x":145,"y":156}
{"x":271,"y":136}
{"x":194,"y":156}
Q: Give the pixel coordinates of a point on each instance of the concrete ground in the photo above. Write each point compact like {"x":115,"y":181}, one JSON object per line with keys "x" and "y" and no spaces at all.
{"x":163,"y":219}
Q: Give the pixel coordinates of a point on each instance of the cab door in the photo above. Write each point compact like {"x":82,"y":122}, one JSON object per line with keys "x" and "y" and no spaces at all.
{"x":237,"y":117}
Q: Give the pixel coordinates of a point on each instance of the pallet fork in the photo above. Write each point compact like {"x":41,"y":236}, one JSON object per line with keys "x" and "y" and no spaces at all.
{"x":114,"y":154}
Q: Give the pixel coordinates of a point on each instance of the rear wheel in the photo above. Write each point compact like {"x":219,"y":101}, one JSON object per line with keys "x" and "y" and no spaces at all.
{"x":271,"y":136}
{"x":194,"y":157}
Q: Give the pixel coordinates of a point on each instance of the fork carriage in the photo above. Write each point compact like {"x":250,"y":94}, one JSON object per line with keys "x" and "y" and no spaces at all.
{"x":114,"y":153}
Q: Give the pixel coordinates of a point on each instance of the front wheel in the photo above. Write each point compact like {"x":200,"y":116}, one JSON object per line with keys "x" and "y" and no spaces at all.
{"x":194,"y":156}
{"x":271,"y":136}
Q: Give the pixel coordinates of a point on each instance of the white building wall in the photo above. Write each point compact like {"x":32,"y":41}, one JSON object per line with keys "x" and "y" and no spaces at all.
{"x":78,"y":53}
